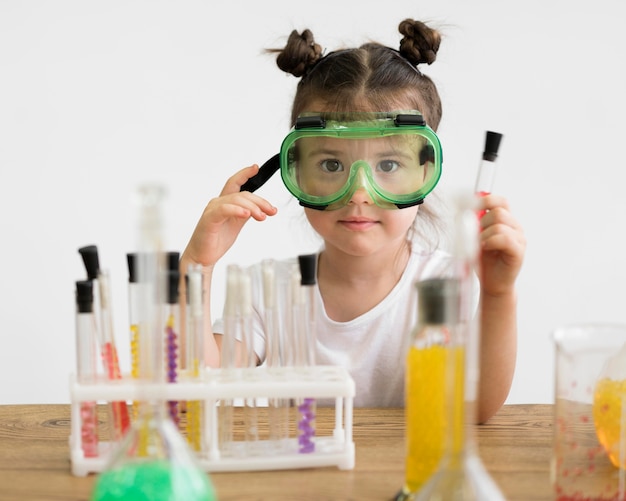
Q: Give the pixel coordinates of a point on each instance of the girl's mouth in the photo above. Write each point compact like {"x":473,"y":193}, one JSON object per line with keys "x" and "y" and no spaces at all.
{"x":358,"y":223}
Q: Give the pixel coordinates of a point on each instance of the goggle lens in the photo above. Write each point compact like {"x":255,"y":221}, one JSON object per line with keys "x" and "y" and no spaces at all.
{"x":321,"y":165}
{"x":325,"y":166}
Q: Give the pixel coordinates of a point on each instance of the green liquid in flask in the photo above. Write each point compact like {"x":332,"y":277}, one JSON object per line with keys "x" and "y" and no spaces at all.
{"x":153,"y":481}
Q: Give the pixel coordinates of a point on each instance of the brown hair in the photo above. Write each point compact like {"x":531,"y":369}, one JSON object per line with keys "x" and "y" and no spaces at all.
{"x":373,"y":75}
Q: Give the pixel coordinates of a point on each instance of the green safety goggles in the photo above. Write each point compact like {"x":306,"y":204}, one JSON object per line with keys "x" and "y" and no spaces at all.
{"x":327,"y":157}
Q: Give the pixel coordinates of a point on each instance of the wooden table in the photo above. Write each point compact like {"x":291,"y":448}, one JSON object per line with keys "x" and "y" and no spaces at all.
{"x":515,"y":446}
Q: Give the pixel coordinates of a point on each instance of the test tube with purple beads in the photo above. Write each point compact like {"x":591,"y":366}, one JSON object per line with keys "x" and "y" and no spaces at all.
{"x":305,"y":312}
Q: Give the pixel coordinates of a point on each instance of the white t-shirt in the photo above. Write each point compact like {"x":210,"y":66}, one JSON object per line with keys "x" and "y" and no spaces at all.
{"x":373,"y":346}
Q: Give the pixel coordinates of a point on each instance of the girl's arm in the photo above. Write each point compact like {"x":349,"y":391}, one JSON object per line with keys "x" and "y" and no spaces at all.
{"x":216,"y":231}
{"x":502,"y":247}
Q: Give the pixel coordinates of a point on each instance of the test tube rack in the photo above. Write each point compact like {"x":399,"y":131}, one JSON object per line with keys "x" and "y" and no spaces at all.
{"x":216,"y":385}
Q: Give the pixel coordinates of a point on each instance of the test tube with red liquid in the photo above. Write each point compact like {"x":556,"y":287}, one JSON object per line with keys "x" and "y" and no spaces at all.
{"x":86,"y":364}
{"x":487,"y":166}
{"x":104,"y":321}
{"x":108,"y":351}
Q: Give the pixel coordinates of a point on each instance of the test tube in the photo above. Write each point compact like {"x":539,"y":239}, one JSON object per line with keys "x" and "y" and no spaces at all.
{"x":134,"y":292}
{"x":487,"y":166}
{"x":249,"y":359}
{"x":228,"y":357}
{"x":172,"y":330}
{"x":308,"y":279}
{"x":305,"y":312}
{"x":86,"y":364}
{"x":278,"y":408}
{"x":195,"y":352}
{"x":137,"y":290}
{"x":466,"y":255}
{"x":273,"y":355}
{"x":108,"y":351}
{"x":231,"y":321}
{"x":295,"y":302}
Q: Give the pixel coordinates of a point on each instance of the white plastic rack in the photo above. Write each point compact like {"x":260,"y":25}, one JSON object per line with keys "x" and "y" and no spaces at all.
{"x":319,"y":382}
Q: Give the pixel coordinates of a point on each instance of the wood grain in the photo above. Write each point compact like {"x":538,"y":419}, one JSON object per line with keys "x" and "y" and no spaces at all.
{"x":515,"y":446}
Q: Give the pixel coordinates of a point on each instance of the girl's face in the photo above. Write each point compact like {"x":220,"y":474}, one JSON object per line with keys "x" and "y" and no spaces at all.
{"x":361,"y":228}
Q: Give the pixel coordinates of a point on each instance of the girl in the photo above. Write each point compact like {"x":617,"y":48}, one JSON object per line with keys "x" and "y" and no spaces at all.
{"x":374,"y":249}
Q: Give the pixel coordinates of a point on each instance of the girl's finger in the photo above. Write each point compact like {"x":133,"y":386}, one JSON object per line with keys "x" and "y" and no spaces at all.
{"x":237,"y":180}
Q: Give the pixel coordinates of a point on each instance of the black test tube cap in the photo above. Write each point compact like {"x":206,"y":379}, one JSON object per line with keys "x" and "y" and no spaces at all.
{"x":492,"y":144}
{"x":84,"y":296}
{"x":89,"y":254}
{"x":308,"y":269}
{"x":131,"y":259}
{"x":173,"y":278}
{"x":173,"y":258}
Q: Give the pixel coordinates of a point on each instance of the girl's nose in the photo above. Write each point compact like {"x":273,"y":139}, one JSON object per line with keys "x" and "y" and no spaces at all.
{"x":361,"y":196}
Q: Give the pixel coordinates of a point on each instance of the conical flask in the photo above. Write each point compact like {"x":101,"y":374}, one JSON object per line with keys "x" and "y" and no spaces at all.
{"x":153,"y":461}
{"x":461,"y":475}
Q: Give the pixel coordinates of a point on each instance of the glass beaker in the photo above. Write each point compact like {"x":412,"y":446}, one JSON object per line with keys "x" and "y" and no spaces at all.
{"x":589,"y":456}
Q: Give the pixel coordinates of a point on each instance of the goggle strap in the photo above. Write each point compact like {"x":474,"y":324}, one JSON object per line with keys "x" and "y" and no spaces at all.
{"x":404,"y":119}
{"x":308,"y":122}
{"x":427,"y":154}
{"x":266,"y":171}
{"x":312,"y":206}
{"x":323,"y":207}
{"x":410,"y":204}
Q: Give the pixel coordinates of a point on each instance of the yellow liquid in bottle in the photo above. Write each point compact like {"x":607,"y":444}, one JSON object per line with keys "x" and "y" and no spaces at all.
{"x":427,"y":414}
{"x":609,"y":417}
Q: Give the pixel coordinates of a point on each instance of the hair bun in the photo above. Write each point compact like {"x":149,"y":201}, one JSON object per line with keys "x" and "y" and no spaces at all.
{"x":300,"y":54}
{"x":419,"y":43}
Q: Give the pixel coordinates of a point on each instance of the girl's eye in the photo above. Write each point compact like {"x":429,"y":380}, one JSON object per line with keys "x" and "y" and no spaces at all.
{"x":331,"y":166}
{"x":387,"y":166}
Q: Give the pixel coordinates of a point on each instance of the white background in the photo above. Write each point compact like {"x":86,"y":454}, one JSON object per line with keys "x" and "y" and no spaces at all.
{"x":99,"y":97}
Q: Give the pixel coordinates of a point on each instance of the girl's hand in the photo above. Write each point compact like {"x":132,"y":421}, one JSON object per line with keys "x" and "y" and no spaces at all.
{"x":223,"y":219}
{"x":502,"y":247}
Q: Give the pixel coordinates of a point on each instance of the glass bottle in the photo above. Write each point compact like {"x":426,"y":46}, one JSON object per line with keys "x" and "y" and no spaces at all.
{"x":432,"y":358}
{"x":153,"y":462}
{"x":460,"y":475}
